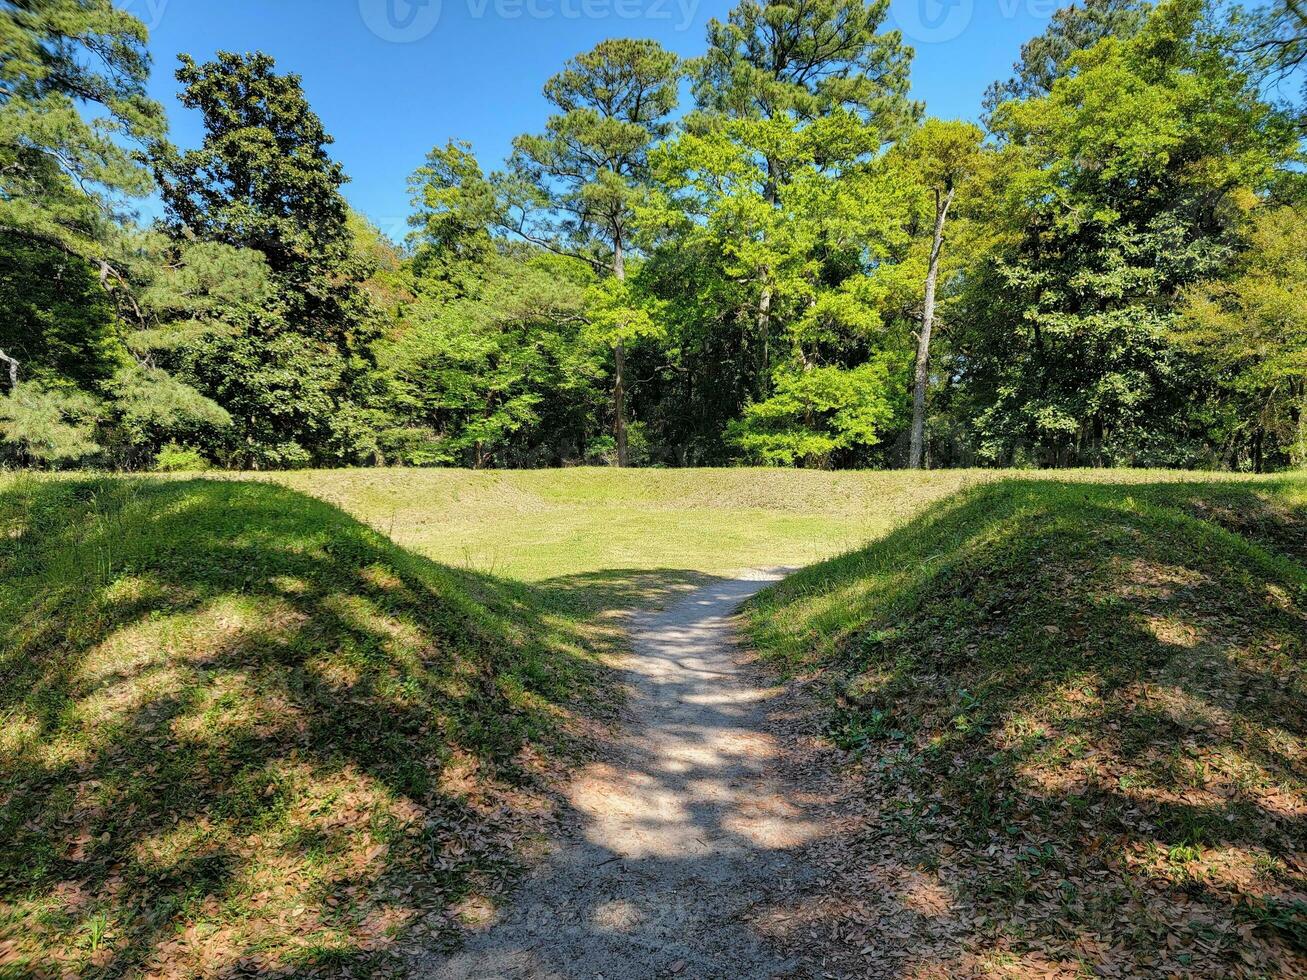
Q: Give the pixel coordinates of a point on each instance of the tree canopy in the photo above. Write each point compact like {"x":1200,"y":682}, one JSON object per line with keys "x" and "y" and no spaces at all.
{"x":801,"y":267}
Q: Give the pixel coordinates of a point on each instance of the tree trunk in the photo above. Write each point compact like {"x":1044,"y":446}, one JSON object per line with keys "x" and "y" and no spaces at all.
{"x":916,"y":453}
{"x":13,"y":369}
{"x":619,"y":370}
{"x":1298,"y":454}
{"x":762,"y":323}
{"x":763,"y":326}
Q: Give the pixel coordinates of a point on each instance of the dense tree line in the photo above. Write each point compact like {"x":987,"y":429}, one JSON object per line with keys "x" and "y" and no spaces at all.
{"x":768,"y":254}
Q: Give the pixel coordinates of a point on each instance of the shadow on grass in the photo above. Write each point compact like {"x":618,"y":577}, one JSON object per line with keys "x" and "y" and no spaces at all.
{"x":243,"y":731}
{"x":1079,"y":710}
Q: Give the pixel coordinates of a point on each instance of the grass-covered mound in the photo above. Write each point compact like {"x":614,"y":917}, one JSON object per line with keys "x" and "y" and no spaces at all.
{"x":1076,"y":721}
{"x":240,"y":730}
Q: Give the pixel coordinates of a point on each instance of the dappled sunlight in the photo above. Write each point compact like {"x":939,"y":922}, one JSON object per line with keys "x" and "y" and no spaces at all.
{"x":681,"y":827}
{"x":238,"y":743}
{"x":1083,"y":719}
{"x":259,"y":736}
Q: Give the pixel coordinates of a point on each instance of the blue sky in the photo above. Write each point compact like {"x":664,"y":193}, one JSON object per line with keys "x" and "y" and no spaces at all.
{"x":392,"y":78}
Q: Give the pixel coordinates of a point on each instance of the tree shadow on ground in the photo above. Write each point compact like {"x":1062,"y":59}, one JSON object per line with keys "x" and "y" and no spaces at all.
{"x":242,"y":731}
{"x":679,"y":830}
{"x":1079,"y":711}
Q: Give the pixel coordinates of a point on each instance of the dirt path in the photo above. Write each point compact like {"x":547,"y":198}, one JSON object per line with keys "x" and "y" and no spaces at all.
{"x":680,"y":835}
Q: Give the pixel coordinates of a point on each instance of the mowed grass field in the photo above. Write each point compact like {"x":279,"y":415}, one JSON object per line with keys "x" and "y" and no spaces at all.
{"x":545,"y":524}
{"x":295,"y":722}
{"x":541,"y":525}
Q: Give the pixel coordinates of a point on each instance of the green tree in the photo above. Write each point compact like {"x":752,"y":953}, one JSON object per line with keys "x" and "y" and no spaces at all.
{"x":942,"y":156}
{"x":499,"y":376}
{"x":59,"y":322}
{"x":1049,"y":56}
{"x":1250,"y":326}
{"x":1125,"y":185}
{"x":263,"y":180}
{"x":789,"y":63}
{"x":49,"y":426}
{"x":583,"y":177}
{"x":73,"y":115}
{"x":779,"y":180}
{"x":456,"y":209}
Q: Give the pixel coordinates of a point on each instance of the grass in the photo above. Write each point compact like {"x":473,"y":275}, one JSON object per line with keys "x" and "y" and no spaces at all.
{"x":242,"y":730}
{"x":1076,"y":711}
{"x":291,"y":722}
{"x":539,"y":525}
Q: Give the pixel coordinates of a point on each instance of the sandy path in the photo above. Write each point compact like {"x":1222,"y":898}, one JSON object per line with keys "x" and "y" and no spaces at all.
{"x":678,"y":836}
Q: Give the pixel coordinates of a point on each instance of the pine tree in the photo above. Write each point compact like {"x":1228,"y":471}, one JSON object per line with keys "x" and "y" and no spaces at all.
{"x":589,"y":168}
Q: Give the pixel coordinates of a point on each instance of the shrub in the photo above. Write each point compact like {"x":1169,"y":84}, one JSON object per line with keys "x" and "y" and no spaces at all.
{"x":173,"y":458}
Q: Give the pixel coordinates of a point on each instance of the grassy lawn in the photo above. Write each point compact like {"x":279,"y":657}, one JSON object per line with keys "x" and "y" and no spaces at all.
{"x":1075,"y":718}
{"x":541,"y":525}
{"x":277,"y":722}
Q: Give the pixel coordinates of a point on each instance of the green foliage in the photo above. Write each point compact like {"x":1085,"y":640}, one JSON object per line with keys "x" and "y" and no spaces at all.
{"x":943,"y":154}
{"x":1072,"y":29}
{"x":1034,"y":662}
{"x":58,"y":322}
{"x":49,"y":426}
{"x":814,"y":414}
{"x":73,"y":108}
{"x":501,"y":377}
{"x":805,"y":60}
{"x":287,"y":370}
{"x":746,"y":281}
{"x":173,"y":458}
{"x":454,"y":209}
{"x":1251,"y":327}
{"x":1123,"y":185}
{"x":151,"y":407}
{"x":588,"y":166}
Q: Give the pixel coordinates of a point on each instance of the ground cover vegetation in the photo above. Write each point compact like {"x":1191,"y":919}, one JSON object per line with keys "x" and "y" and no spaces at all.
{"x":767,"y":253}
{"x":295,"y":720}
{"x":1073,"y":722}
{"x":243,"y":731}
{"x":304,"y":722}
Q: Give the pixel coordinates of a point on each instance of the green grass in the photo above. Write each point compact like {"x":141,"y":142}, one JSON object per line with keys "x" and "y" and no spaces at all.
{"x":238,"y":726}
{"x":544,"y":524}
{"x":1080,"y":710}
{"x":284,"y":721}
{"x":540,"y":525}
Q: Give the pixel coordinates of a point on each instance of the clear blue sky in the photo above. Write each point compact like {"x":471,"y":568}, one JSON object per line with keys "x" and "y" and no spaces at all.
{"x":392,"y":78}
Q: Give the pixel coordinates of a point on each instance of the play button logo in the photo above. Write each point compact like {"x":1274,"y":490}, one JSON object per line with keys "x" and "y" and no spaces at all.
{"x":400,"y":21}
